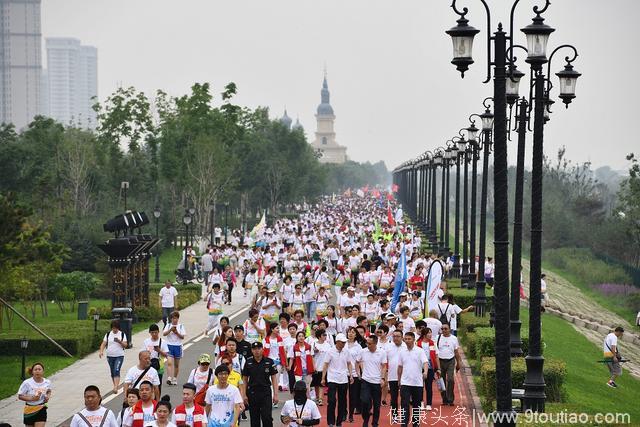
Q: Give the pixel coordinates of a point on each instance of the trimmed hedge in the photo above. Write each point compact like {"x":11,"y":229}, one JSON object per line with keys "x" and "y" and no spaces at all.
{"x":481,"y":343}
{"x":78,"y":336}
{"x":555,"y":372}
{"x":468,"y":322}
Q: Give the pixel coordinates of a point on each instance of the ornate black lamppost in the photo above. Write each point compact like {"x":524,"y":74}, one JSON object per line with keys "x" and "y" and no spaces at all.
{"x":464,"y":275}
{"x":156,"y":215}
{"x":472,"y":132}
{"x":537,"y":36}
{"x":461,"y":146}
{"x":226,"y":221}
{"x":186,"y":219}
{"x":24,"y":343}
{"x":487,"y":125}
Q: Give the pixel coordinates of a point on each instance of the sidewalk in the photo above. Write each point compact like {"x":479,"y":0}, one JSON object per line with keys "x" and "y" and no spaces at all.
{"x":69,"y":383}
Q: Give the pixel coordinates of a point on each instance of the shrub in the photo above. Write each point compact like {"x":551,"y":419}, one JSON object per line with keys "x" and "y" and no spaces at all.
{"x":485,"y":342}
{"x":78,"y":339}
{"x":468,"y":322}
{"x":555,"y":372}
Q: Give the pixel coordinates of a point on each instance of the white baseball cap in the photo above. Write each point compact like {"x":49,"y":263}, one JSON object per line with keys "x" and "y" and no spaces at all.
{"x":341,"y":338}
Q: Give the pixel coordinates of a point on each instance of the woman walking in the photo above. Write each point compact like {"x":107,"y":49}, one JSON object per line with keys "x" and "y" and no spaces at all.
{"x":115,"y":342}
{"x":35,"y":392}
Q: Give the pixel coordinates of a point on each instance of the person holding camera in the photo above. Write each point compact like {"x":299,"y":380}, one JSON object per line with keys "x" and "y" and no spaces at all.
{"x":612,"y":356}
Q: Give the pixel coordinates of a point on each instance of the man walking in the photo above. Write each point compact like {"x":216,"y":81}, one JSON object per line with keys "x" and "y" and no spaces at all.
{"x":260,"y":380}
{"x":373,"y":374}
{"x":168,"y":300}
{"x":336,"y":374}
{"x":612,"y":355}
{"x":450,"y":363}
{"x":413,"y":366}
{"x":143,"y":371}
{"x":93,"y":414}
{"x":393,"y":351}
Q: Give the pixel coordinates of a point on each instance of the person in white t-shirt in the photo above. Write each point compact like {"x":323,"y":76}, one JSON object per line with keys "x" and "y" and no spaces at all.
{"x":612,"y":355}
{"x":141,"y":372}
{"x":93,"y":414}
{"x":450,"y":361}
{"x":168,"y":300}
{"x":451,"y":310}
{"x":115,"y":342}
{"x":224,"y":401}
{"x":300,"y":411}
{"x":203,"y":374}
{"x":35,"y":392}
{"x":373,"y":369}
{"x":175,"y":333}
{"x":413,"y":366}
{"x":163,"y":414}
{"x":433,"y":322}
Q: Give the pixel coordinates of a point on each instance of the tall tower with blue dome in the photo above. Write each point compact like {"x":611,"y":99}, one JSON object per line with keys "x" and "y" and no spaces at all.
{"x":325,"y":142}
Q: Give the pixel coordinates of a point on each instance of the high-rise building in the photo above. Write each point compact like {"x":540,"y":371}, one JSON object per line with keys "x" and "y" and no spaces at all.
{"x":325,"y":142}
{"x":20,"y":61}
{"x":72,"y":81}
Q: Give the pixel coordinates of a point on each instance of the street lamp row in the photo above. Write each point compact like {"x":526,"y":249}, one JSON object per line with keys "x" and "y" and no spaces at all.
{"x":496,"y":124}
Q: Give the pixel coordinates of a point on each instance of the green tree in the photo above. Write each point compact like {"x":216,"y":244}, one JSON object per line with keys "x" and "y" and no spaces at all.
{"x":629,"y":196}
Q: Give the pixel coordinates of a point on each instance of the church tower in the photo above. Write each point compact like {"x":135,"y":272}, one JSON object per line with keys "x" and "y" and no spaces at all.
{"x":325,"y":141}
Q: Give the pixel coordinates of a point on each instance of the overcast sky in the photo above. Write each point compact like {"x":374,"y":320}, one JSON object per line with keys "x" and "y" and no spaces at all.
{"x":393,"y":89}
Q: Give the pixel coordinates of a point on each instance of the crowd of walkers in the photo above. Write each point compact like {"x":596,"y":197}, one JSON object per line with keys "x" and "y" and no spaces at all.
{"x":323,"y":324}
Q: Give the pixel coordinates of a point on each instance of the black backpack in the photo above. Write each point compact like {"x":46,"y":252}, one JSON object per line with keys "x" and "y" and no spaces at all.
{"x":443,"y":316}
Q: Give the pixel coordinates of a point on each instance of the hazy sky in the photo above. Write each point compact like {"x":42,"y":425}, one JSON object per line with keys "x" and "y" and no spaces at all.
{"x":393,"y":89}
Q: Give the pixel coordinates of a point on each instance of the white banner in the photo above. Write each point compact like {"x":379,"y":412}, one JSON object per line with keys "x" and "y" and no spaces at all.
{"x":434,"y":278}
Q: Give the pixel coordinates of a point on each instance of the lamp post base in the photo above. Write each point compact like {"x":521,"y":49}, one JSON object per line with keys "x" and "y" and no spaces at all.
{"x":464,"y":275}
{"x":534,"y":396}
{"x":480,"y":303}
{"x":516,"y":341}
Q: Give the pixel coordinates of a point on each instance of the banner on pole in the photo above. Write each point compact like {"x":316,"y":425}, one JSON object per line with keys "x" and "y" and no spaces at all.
{"x":434,"y":278}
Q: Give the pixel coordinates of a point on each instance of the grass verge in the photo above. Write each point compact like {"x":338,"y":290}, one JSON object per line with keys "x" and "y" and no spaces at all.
{"x":585,"y":384}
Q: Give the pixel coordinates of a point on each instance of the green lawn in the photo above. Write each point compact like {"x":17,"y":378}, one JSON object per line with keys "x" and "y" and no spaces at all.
{"x":169,"y":260}
{"x":586,"y":379}
{"x":55,"y":315}
{"x":10,"y":367}
{"x":585,"y":384}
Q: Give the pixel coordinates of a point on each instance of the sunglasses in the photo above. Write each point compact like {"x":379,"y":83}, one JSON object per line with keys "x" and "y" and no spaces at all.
{"x":378,"y":332}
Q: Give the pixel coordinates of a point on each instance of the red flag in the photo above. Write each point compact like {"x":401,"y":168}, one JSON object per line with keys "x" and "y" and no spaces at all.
{"x":395,"y":188}
{"x":389,"y":196}
{"x":375,"y":193}
{"x":390,"y":219}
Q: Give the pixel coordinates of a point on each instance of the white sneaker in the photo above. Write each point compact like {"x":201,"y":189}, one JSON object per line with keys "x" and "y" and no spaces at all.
{"x":428,"y":407}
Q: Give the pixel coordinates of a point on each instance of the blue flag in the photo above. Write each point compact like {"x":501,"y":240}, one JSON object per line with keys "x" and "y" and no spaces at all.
{"x":401,"y":279}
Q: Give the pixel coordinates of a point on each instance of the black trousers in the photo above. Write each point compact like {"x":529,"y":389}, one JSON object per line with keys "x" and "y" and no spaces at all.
{"x":354,"y":396}
{"x":410,"y":396}
{"x":393,"y":391}
{"x":428,"y":384}
{"x":260,"y":408}
{"x":229,"y":292}
{"x":448,"y":371}
{"x":341,"y":391}
{"x":370,"y":395}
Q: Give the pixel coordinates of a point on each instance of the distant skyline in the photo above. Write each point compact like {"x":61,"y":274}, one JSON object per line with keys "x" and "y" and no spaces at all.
{"x":393,"y":89}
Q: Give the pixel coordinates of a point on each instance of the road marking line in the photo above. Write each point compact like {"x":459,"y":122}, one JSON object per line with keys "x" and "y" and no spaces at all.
{"x":111,"y":397}
{"x":187,"y":346}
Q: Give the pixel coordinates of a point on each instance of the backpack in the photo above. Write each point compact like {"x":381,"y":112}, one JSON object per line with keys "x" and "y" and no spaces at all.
{"x":198,"y":399}
{"x":443,"y":316}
